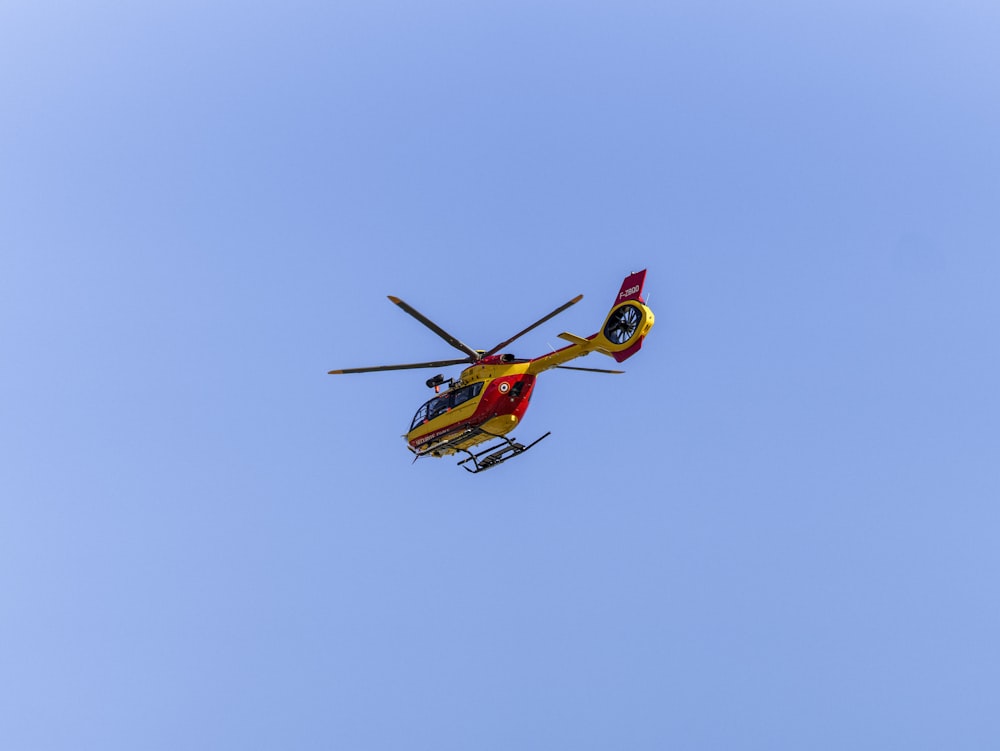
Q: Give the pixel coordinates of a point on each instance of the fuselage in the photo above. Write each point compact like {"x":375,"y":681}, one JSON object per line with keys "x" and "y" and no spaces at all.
{"x":490,"y":397}
{"x":488,"y":400}
{"x":492,"y":394}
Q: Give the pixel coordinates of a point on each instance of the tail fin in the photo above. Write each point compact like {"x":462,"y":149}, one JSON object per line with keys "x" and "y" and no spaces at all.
{"x":626,"y":325}
{"x":632,"y":287}
{"x":629,"y":320}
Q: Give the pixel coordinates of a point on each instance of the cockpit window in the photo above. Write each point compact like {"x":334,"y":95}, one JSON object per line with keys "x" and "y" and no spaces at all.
{"x":436,"y":407}
{"x":441,"y":404}
{"x":420,"y":417}
{"x":466,"y":393}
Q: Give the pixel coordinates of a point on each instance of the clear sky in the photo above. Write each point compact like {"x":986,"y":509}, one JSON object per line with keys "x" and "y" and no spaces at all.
{"x":778,"y":530}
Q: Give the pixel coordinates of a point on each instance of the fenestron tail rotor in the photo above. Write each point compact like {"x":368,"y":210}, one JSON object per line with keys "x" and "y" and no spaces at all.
{"x":622,"y":324}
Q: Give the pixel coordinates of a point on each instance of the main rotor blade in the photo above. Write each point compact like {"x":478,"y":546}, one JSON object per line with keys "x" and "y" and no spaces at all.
{"x":589,"y":370}
{"x":437,"y":329}
{"x":539,"y":322}
{"x":435,"y":364}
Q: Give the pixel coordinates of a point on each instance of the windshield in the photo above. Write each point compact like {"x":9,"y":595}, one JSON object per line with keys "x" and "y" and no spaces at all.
{"x":446,"y":401}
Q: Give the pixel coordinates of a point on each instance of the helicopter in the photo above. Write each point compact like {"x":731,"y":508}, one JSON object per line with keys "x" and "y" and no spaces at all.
{"x":488,"y":400}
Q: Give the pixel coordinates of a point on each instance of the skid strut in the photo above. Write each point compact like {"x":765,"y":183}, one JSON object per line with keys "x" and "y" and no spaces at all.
{"x":498,"y":453}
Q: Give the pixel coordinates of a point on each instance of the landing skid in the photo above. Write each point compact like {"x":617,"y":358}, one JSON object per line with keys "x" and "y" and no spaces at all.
{"x":498,"y":453}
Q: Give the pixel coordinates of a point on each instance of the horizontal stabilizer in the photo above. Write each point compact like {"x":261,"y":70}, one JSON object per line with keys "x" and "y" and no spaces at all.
{"x":573,"y":338}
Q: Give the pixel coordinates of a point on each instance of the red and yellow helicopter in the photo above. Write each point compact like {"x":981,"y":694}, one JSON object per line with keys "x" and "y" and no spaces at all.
{"x":489,"y":398}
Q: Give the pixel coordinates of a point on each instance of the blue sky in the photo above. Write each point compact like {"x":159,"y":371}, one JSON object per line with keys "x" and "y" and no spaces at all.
{"x":777,"y":530}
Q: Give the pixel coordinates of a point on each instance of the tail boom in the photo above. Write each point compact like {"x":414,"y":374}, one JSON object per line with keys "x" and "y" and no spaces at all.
{"x":627,"y":324}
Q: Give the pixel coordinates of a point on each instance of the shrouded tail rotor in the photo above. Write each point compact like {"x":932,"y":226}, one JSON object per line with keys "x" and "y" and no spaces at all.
{"x":622,"y":324}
